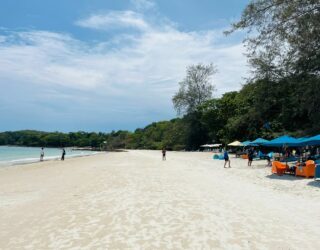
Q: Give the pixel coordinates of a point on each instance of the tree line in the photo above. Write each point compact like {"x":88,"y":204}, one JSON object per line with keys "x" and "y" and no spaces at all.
{"x":282,"y":95}
{"x":262,"y":108}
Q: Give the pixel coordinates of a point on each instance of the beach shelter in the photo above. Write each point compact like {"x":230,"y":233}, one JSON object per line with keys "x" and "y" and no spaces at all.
{"x":235,"y":144}
{"x":258,"y":141}
{"x":311,"y":141}
{"x":211,"y":145}
{"x":282,"y":141}
{"x":302,"y":139}
{"x":246,"y":143}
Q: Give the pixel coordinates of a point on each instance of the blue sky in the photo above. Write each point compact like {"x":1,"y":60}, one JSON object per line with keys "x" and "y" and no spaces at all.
{"x":106,"y":65}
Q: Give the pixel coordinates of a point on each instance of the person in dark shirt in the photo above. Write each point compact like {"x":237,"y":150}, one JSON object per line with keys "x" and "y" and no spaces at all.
{"x":164,"y":152}
{"x":250,"y":156}
{"x":226,"y":158}
{"x":63,"y":154}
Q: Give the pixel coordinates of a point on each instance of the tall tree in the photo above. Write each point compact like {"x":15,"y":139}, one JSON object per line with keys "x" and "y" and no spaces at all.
{"x":195,"y":89}
{"x":283,"y":37}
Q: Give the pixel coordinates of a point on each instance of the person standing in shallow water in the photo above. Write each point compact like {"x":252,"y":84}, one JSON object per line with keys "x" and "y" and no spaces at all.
{"x":41,"y":154}
{"x":63,"y":154}
{"x":164,"y":154}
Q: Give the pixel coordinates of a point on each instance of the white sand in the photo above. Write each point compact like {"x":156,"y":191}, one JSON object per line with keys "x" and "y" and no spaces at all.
{"x":134,"y":200}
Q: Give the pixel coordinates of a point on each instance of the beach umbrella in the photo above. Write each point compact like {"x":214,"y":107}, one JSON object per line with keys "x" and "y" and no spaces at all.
{"x":246,"y":143}
{"x":283,"y":140}
{"x":258,"y":141}
{"x":311,"y":141}
{"x":211,"y":145}
{"x":235,"y":144}
{"x":302,"y":139}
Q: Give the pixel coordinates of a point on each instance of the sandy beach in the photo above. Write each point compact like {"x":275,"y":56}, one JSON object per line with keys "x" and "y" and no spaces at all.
{"x":134,"y":200}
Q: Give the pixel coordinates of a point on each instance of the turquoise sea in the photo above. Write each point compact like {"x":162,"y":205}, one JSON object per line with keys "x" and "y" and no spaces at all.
{"x":12,"y":155}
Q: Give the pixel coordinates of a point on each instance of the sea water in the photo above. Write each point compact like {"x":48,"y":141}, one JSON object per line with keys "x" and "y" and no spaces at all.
{"x":12,"y":155}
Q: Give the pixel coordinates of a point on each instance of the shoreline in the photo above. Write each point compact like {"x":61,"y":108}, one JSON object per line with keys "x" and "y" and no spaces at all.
{"x":33,"y":160}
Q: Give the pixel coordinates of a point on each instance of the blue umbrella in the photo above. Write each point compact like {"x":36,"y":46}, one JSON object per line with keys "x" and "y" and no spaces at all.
{"x":246,"y":143}
{"x":283,"y":140}
{"x":258,"y":141}
{"x":302,"y":139}
{"x":312,"y":141}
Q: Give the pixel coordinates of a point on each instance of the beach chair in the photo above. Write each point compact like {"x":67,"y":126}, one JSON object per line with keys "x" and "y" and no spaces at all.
{"x":281,"y":168}
{"x":278,"y":168}
{"x":309,"y":162}
{"x":317,"y":172}
{"x":306,"y":171}
{"x":273,"y":168}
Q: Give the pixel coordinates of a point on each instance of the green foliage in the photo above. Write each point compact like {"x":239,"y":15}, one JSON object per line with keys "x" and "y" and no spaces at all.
{"x":283,"y":37}
{"x":169,"y":134}
{"x":287,"y":106}
{"x":53,"y":139}
{"x":195,"y":89}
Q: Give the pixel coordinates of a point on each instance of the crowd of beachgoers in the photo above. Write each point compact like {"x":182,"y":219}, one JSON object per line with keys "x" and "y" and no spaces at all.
{"x":285,"y":154}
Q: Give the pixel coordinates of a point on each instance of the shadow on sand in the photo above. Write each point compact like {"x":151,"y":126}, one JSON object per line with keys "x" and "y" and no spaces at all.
{"x":314,"y":183}
{"x":285,"y":177}
{"x":260,"y":166}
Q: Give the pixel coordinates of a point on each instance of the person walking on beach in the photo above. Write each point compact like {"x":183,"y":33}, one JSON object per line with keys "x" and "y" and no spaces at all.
{"x":250,"y":157}
{"x":164,"y":154}
{"x":226,"y":158}
{"x":41,"y":154}
{"x":63,"y":154}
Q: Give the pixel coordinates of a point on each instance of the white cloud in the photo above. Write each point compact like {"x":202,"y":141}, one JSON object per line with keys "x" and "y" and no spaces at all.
{"x":132,"y":80}
{"x":113,"y":20}
{"x":143,"y":4}
{"x":47,"y":58}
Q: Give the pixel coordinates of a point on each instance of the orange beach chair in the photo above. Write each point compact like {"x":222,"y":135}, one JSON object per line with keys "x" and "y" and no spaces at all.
{"x":306,"y":171}
{"x":278,"y":168}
